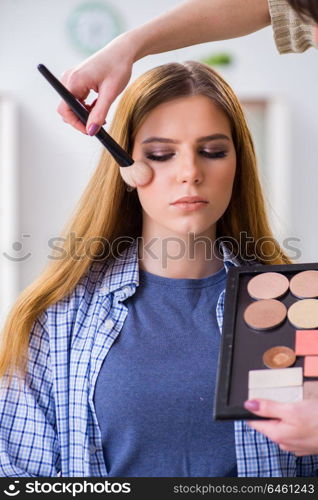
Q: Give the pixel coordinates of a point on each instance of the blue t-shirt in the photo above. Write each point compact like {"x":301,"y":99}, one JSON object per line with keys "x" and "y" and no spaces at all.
{"x":154,"y":393}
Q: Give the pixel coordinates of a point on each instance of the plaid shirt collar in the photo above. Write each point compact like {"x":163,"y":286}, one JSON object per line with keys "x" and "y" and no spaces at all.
{"x":122,"y":274}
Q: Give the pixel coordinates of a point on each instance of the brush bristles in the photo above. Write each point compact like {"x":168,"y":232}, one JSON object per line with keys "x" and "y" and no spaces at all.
{"x":138,"y":174}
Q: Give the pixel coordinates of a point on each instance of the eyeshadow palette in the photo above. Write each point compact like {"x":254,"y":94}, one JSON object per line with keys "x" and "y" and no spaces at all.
{"x":269,"y":345}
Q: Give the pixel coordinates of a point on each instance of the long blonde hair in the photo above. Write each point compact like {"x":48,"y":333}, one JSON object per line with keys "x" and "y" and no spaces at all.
{"x":106,"y":209}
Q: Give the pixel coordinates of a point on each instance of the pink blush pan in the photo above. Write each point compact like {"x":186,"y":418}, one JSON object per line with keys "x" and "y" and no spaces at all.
{"x":306,"y":342}
{"x":311,"y":366}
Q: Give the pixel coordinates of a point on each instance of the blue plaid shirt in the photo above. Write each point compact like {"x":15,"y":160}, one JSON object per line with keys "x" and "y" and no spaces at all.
{"x":49,"y":426}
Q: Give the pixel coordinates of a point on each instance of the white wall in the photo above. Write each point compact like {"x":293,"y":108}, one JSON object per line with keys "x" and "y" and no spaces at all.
{"x":56,"y":161}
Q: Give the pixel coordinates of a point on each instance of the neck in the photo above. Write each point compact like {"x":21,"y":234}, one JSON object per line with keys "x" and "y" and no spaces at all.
{"x":179,"y":256}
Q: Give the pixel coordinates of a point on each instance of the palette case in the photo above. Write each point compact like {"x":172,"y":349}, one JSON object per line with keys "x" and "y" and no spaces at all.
{"x":242,"y":347}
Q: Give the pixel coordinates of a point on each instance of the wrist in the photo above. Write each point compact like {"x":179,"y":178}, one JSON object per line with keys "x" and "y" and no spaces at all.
{"x":137,"y":43}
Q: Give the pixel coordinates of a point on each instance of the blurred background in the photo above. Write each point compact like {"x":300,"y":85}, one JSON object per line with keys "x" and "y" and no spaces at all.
{"x":45,"y":164}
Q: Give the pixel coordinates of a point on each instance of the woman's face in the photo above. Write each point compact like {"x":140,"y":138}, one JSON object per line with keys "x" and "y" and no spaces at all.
{"x":188,"y":143}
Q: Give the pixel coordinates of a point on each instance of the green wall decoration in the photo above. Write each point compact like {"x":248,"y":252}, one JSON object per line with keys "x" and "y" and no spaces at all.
{"x":218,"y":59}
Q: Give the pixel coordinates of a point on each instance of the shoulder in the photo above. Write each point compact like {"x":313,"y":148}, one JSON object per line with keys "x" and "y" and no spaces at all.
{"x":92,"y":297}
{"x":88,"y":286}
{"x":72,"y":313}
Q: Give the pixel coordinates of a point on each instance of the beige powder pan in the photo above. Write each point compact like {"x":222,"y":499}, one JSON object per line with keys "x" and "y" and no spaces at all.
{"x":281,"y":377}
{"x":268,"y":286}
{"x":281,"y":394}
{"x":304,"y":285}
{"x":265,"y":314}
{"x":304,"y":313}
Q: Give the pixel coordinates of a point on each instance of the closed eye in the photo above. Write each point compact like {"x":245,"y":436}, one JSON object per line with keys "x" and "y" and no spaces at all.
{"x":159,"y":157}
{"x":213,"y":154}
{"x":206,"y":154}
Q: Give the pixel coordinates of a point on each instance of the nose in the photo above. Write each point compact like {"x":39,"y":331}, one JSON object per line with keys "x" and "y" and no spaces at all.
{"x":189,"y":170}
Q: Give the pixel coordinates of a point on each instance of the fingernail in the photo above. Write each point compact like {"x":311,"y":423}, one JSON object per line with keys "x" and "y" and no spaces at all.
{"x":93,"y":129}
{"x":251,"y":405}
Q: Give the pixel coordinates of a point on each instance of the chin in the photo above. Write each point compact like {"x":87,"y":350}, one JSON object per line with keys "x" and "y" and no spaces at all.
{"x":196,"y":229}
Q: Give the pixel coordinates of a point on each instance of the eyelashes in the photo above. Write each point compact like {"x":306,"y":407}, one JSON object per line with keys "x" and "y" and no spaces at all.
{"x":159,"y":157}
{"x":207,"y":154}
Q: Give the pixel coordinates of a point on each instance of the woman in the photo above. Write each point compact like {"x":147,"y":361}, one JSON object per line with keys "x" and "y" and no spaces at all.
{"x":294,"y":23}
{"x":124,"y":330}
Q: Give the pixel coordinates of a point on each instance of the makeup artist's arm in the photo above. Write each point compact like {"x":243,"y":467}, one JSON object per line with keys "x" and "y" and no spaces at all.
{"x":293,"y":426}
{"x":196,"y":21}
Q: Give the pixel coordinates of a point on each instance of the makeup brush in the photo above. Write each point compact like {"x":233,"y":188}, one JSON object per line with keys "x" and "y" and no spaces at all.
{"x":139,"y":172}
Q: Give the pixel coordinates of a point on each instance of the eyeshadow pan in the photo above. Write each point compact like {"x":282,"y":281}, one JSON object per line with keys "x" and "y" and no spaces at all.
{"x":306,"y":342}
{"x":311,"y":389}
{"x":304,"y":313}
{"x":281,"y":377}
{"x":265,"y":314}
{"x":281,"y":394}
{"x":268,"y":286}
{"x":304,"y":285}
{"x":279,"y":357}
{"x":311,"y":366}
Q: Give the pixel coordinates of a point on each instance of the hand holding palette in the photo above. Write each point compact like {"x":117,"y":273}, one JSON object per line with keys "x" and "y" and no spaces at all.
{"x":270,"y":337}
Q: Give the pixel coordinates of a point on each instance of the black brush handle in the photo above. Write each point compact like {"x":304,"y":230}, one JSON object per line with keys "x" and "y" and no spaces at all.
{"x":118,"y":153}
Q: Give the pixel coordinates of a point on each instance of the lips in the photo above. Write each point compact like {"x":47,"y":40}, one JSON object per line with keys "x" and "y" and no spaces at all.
{"x":190,"y":199}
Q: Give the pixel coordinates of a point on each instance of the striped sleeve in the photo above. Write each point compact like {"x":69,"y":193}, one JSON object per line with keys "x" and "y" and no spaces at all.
{"x":28,"y":437}
{"x":291,"y":33}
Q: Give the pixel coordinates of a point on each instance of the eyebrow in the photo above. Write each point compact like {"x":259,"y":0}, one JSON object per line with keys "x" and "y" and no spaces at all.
{"x":165,"y":140}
